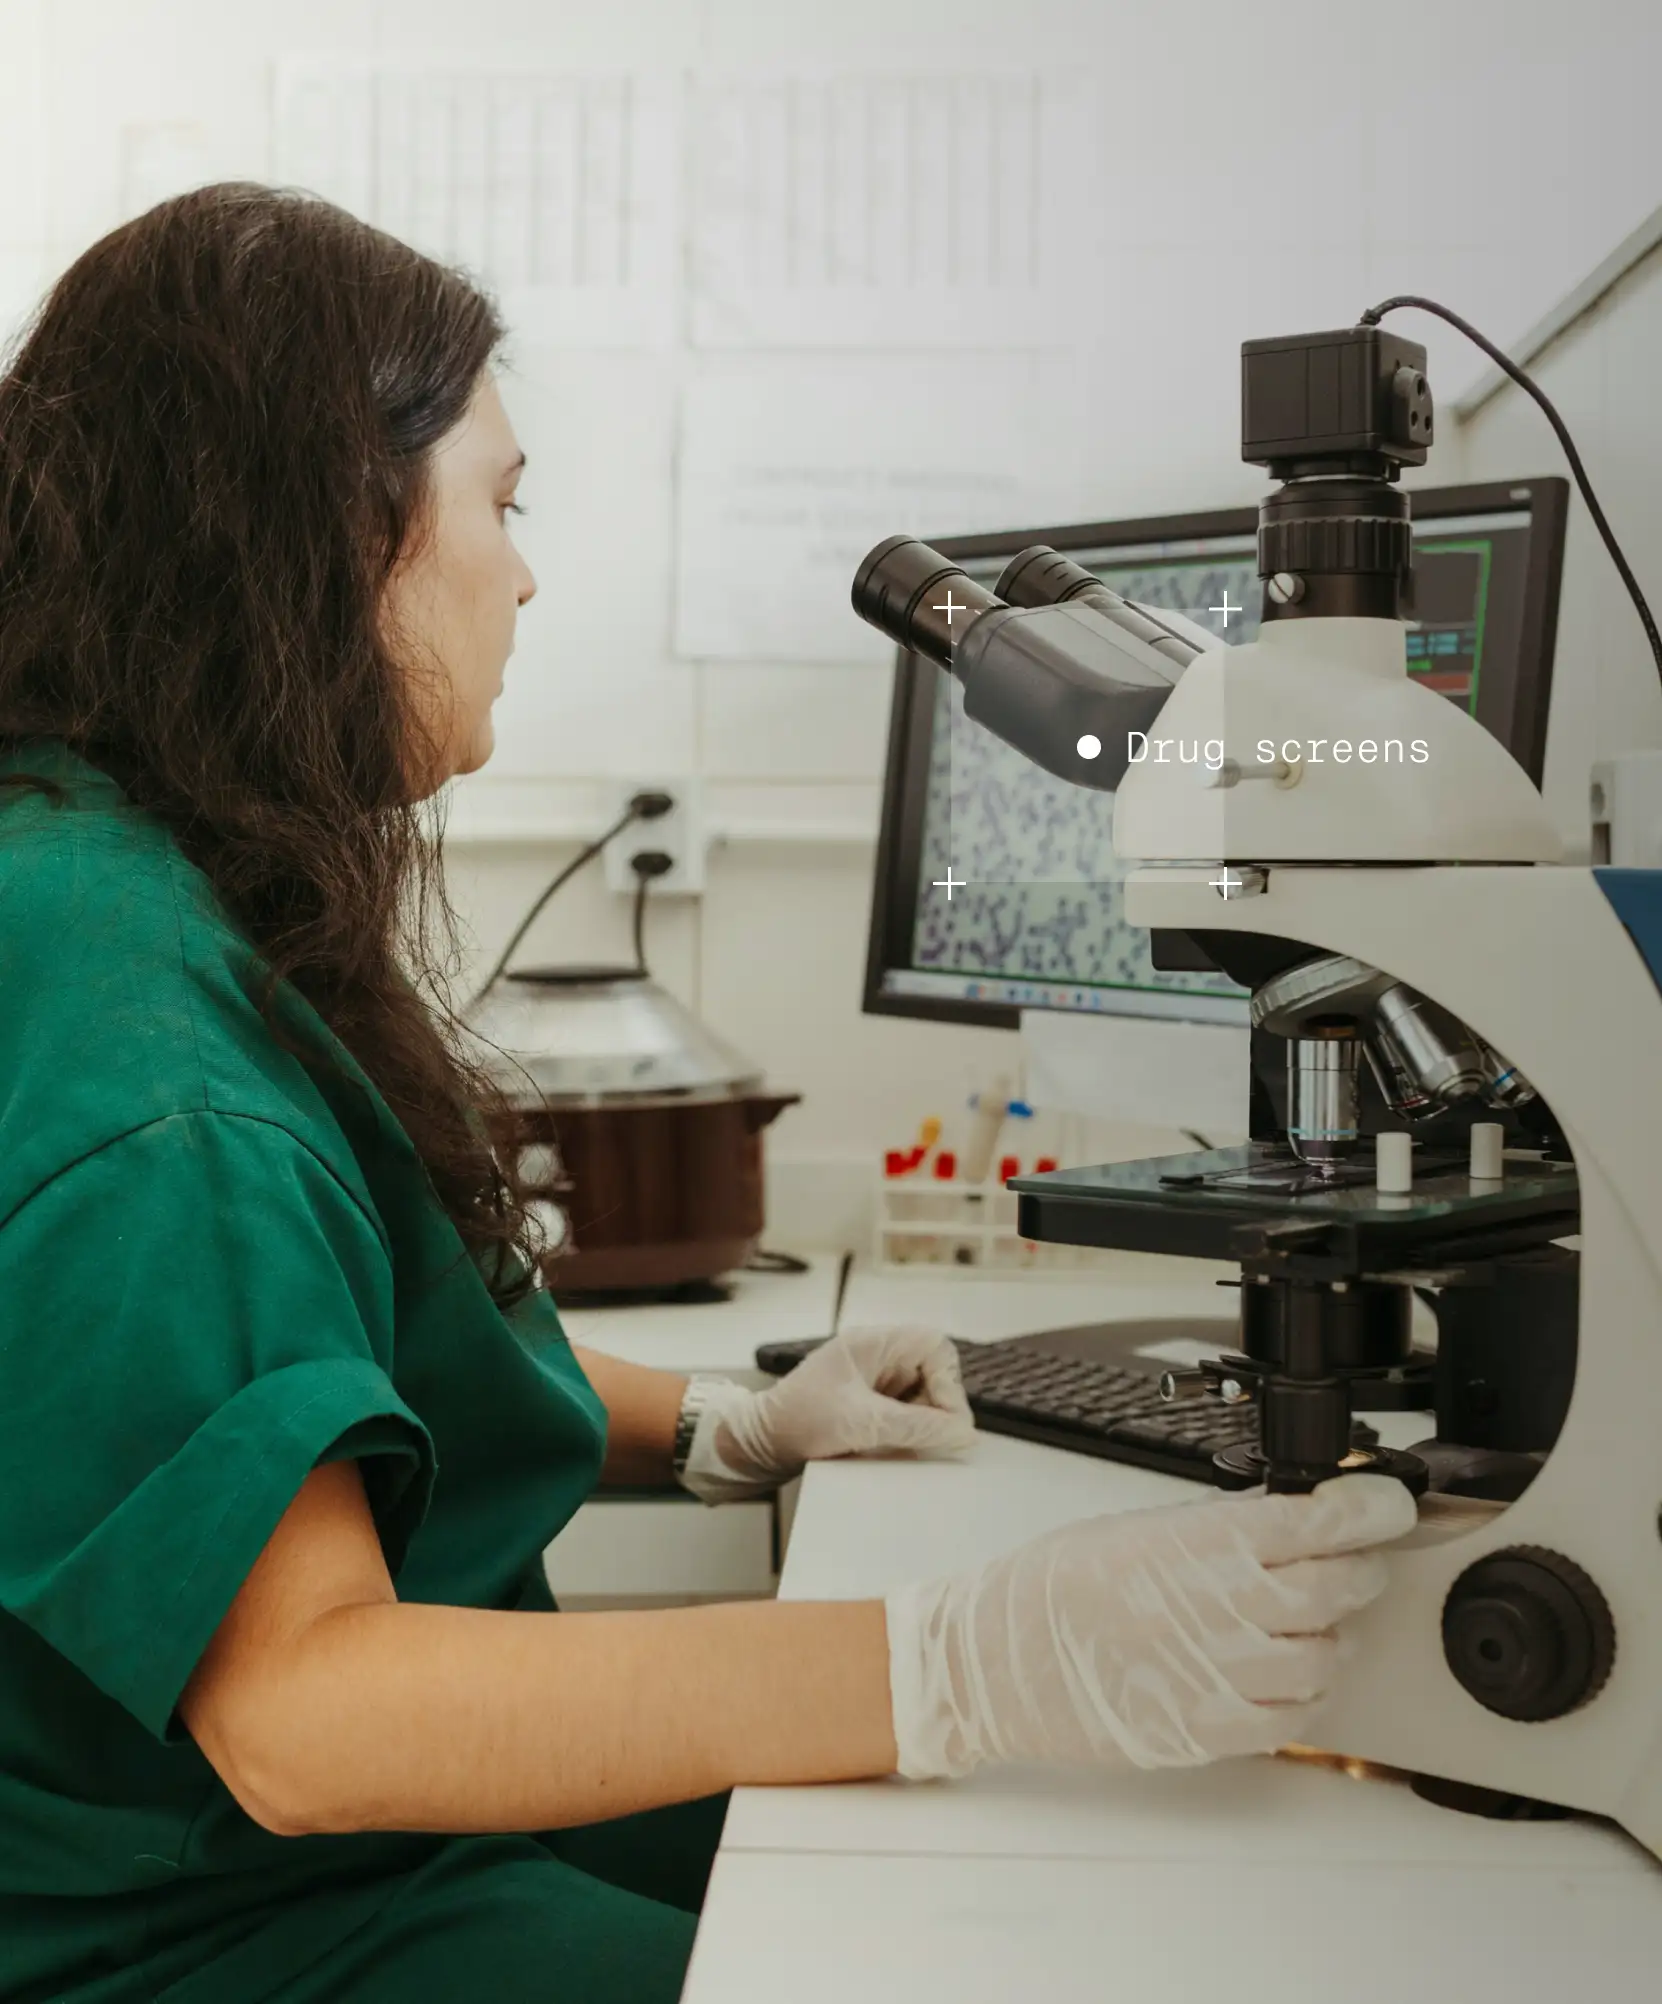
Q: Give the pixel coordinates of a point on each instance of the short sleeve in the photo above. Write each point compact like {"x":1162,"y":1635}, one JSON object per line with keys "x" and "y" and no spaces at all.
{"x":191,"y":1320}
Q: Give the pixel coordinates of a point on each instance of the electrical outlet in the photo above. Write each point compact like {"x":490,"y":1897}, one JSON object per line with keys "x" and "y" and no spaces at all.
{"x":679,"y":833}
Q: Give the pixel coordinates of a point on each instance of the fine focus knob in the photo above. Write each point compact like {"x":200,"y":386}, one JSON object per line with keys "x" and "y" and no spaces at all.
{"x":1528,"y":1633}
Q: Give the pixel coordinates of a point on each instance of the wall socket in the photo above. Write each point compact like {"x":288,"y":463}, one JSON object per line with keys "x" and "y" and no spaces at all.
{"x":679,"y":833}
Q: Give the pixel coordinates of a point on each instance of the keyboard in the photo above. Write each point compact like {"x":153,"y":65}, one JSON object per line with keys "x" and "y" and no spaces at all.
{"x":1086,"y":1391}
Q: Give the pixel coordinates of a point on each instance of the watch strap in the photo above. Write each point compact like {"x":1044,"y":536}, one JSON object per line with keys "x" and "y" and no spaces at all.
{"x":694,"y":1400}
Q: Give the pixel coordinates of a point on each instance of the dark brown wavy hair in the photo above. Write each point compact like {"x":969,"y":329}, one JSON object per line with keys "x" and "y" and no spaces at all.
{"x":215,"y":442}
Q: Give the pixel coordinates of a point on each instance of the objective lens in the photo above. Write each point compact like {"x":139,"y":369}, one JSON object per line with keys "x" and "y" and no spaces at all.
{"x":1503,"y":1084}
{"x":1321,"y":1098}
{"x":1431,"y":1047}
{"x":917,"y":597}
{"x":1403,"y":1095}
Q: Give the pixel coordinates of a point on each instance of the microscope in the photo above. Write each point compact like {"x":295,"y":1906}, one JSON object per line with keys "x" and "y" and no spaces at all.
{"x":1457,"y":1075}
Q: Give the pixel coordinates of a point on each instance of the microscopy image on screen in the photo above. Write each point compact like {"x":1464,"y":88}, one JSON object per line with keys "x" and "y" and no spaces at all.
{"x":1043,"y":897}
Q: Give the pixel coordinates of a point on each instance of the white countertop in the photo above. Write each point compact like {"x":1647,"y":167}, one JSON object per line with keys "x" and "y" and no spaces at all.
{"x":828,"y":1929}
{"x":716,"y":1335}
{"x":1273,"y":1882}
{"x":987,"y":1306}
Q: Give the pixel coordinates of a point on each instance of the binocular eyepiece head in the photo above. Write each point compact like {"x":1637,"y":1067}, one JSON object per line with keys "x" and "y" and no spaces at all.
{"x":923,"y":601}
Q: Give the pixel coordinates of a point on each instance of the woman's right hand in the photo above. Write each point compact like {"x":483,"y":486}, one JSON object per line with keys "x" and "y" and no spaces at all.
{"x":1151,"y":1638}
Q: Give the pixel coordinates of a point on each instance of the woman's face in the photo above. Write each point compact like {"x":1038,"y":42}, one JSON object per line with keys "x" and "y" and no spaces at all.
{"x":453,"y":599}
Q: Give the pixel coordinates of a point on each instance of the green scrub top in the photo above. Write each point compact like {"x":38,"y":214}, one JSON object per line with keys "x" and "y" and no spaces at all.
{"x":220,"y":1267}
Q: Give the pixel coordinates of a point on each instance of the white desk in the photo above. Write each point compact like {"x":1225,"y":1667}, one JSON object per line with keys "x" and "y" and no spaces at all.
{"x":1273,"y":1882}
{"x":669,"y":1548}
{"x":717,"y":1335}
{"x":829,"y":1929}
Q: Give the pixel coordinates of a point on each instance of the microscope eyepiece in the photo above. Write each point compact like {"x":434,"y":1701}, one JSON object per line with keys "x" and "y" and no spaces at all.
{"x":1040,"y":575}
{"x":919,"y":598}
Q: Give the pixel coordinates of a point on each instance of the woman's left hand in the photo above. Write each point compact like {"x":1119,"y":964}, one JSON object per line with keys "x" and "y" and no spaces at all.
{"x":867,"y":1391}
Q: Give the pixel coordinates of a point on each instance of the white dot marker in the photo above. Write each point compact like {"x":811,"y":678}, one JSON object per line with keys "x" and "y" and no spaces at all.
{"x":1394,"y":1164}
{"x":1488,"y":1151}
{"x":1089,"y":747}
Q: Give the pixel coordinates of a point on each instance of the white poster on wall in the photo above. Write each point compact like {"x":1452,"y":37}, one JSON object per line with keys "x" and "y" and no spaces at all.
{"x":560,"y":191}
{"x":932,"y":208}
{"x":790,"y":469}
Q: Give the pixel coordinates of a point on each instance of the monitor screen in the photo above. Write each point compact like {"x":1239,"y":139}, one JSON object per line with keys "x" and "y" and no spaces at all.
{"x":997,"y":885}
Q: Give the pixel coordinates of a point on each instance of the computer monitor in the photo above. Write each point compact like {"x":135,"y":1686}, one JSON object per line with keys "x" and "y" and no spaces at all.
{"x":1014,"y":932}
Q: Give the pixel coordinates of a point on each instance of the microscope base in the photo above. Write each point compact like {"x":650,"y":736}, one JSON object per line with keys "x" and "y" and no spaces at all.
{"x":1243,"y":1467}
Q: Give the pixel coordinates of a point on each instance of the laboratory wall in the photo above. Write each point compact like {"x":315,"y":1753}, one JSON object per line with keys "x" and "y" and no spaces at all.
{"x":1046,"y":331}
{"x":1602,"y":375}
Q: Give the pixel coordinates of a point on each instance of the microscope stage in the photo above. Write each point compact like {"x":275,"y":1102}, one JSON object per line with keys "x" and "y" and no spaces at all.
{"x":1259,"y":1203}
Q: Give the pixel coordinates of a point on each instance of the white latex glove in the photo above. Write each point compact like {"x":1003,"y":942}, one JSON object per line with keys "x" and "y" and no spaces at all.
{"x":1153,"y":1638}
{"x":867,"y":1391}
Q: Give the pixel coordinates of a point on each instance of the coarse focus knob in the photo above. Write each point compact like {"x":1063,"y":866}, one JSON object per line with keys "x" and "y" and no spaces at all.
{"x":1528,"y":1633}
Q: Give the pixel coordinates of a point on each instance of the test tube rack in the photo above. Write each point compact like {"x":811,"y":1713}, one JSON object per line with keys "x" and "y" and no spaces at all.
{"x":927,"y":1221}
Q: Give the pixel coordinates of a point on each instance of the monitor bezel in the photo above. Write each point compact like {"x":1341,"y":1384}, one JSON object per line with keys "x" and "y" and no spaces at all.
{"x":912,"y":700}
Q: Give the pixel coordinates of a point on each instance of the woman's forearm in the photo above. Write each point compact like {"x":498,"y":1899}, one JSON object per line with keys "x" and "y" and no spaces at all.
{"x":405,"y":1717}
{"x":641,"y":1410}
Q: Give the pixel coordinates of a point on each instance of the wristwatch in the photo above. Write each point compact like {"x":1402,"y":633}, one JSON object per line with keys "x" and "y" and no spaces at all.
{"x":693,"y":1401}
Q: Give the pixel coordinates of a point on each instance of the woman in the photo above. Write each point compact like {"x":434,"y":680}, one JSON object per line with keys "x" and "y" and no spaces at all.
{"x":285,"y":1423}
